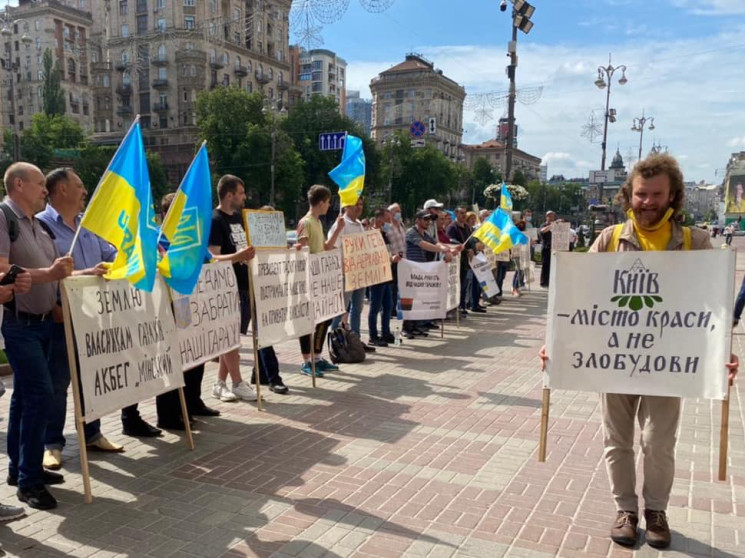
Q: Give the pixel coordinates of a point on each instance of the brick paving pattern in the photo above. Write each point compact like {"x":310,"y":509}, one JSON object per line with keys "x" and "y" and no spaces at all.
{"x":429,"y":449}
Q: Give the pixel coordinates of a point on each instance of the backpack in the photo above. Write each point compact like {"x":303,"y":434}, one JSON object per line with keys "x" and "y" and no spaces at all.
{"x":345,"y":346}
{"x":12,"y":220}
{"x":615,"y":237}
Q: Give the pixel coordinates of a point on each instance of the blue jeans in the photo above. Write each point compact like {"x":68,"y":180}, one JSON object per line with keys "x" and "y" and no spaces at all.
{"x":517,"y":278}
{"x":30,"y":351}
{"x":380,"y":298}
{"x":353,"y":301}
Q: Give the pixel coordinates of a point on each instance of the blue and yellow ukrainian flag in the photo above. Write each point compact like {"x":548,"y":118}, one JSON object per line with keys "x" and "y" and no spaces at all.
{"x":121,"y":212}
{"x":506,"y":198}
{"x":186,"y":226}
{"x":350,"y":173}
{"x":499,"y":233}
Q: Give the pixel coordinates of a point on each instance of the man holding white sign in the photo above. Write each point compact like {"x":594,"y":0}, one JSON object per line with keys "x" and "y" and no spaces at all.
{"x":652,"y":195}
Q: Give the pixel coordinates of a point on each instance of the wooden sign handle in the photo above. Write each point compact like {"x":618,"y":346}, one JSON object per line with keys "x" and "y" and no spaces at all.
{"x":544,"y":425}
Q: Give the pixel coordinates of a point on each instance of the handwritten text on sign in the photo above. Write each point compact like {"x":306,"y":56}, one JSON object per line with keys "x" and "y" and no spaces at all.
{"x":454,"y":282}
{"x":482,"y":269}
{"x":624,"y":322}
{"x":366,"y":260}
{"x":265,"y":229}
{"x":126,"y":342}
{"x":326,"y":285}
{"x":423,"y":289}
{"x":560,"y":236}
{"x":280,"y":283}
{"x":209,"y":320}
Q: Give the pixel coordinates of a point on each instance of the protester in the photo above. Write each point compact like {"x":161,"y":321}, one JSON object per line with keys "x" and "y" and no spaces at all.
{"x":397,"y":238}
{"x":310,"y":234}
{"x":544,"y":237}
{"x":729,"y":231}
{"x":434,"y":208}
{"x":353,"y":300}
{"x":459,"y":232}
{"x":29,"y":333}
{"x":518,"y":279}
{"x":61,"y":217}
{"x":381,"y":298}
{"x":228,"y":242}
{"x":651,"y":196}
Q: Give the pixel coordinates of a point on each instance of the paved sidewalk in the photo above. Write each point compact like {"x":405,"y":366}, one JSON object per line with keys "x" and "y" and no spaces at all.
{"x":429,"y":449}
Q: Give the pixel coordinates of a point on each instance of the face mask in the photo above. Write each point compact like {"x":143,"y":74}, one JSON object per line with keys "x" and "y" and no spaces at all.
{"x":397,"y":217}
{"x":386,"y":227}
{"x":528,"y":218}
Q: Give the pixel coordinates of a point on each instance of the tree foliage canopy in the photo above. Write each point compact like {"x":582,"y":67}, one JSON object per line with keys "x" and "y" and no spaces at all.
{"x":52,"y":94}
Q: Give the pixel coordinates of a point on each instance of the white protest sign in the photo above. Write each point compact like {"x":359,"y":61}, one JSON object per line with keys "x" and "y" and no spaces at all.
{"x":326,"y":283}
{"x":424,"y":289}
{"x":126,"y":342}
{"x":366,"y":260}
{"x":454,"y":282}
{"x":208,"y":321}
{"x":532,"y":233}
{"x":491,"y":257}
{"x":484,"y":275}
{"x":523,"y":256}
{"x":625,"y":322}
{"x":280,"y":284}
{"x":560,"y":236}
{"x":265,"y":229}
{"x":503,"y":256}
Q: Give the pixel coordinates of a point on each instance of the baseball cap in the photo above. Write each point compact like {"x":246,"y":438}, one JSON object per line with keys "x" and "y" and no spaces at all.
{"x":433,"y":203}
{"x":423,"y":214}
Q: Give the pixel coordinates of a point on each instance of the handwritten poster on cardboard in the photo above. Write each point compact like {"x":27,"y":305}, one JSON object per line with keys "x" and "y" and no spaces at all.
{"x":366,"y":260}
{"x":265,"y":229}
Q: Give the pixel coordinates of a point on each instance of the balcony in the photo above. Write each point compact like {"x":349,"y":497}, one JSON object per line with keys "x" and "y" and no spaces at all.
{"x":97,"y":67}
{"x":160,"y":61}
{"x":160,"y":107}
{"x":124,"y":110}
{"x":262,"y":77}
{"x":122,"y":66}
{"x":283,"y":86}
{"x":124,"y":89}
{"x":240,"y":71}
{"x":160,"y":83}
{"x":216,"y":63}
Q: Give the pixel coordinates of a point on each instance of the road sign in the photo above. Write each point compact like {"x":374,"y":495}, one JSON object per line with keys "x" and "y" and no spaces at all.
{"x":432,"y":125}
{"x":417,"y":143}
{"x":332,"y":141}
{"x":417,"y":129}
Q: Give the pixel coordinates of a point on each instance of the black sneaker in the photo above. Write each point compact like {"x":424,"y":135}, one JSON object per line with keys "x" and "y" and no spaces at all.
{"x":140,"y":429}
{"x":279,"y":388}
{"x":48,"y":477}
{"x":389,"y":338}
{"x":479,"y":309}
{"x":377,"y":342}
{"x":205,"y":411}
{"x":37,"y":497}
{"x":420,"y":333}
{"x":408,"y":334}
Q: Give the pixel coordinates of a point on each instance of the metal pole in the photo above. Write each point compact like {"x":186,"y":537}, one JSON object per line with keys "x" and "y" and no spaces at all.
{"x":274,"y":146}
{"x":390,"y":172}
{"x":12,"y":118}
{"x":512,"y":70}
{"x":641,"y":135}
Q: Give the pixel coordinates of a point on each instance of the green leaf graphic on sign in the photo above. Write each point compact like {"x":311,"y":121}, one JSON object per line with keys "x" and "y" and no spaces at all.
{"x":615,"y":298}
{"x":622,"y":302}
{"x":648,"y":301}
{"x":636,"y":303}
{"x":657,"y":298}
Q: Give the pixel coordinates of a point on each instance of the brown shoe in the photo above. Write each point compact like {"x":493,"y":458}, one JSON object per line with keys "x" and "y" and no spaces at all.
{"x":624,"y":529}
{"x":52,"y":459}
{"x":658,"y":531}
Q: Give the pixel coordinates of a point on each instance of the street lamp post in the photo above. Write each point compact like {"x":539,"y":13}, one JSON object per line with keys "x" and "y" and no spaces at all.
{"x":606,"y":72}
{"x":521,"y":14}
{"x":639,"y":127}
{"x":391,"y":142}
{"x":12,"y":68}
{"x":280,"y":110}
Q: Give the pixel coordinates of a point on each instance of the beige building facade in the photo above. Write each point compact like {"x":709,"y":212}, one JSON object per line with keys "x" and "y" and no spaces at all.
{"x":494,"y":152}
{"x":415,"y":92}
{"x":34,"y":27}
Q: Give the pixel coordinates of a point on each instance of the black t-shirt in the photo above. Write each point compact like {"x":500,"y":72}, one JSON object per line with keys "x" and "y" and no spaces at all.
{"x":228,"y":233}
{"x":546,"y":238}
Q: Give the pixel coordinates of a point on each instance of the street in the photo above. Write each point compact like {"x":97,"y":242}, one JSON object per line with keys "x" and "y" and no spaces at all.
{"x":428,"y":449}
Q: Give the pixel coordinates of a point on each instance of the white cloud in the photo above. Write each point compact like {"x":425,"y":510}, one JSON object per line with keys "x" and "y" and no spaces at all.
{"x":688,"y":86}
{"x":712,"y":7}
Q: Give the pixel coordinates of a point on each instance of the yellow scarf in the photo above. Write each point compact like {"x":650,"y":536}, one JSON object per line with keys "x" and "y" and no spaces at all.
{"x":656,"y":237}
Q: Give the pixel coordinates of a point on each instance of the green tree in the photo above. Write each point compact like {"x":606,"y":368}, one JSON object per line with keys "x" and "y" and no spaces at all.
{"x":46,"y":134}
{"x":425,"y":173}
{"x":519,"y":178}
{"x":482,"y":175}
{"x":52,"y":95}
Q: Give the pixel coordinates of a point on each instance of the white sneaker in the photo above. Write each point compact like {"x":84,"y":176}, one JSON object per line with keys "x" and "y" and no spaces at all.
{"x":244,"y":391}
{"x":220,"y":391}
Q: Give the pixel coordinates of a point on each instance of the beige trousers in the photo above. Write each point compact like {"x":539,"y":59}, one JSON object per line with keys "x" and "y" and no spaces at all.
{"x":658,"y":422}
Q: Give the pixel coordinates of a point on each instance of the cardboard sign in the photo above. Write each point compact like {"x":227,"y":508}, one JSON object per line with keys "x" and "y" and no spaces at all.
{"x":503,"y":256}
{"x":208,"y":321}
{"x":265,"y":229}
{"x":454,"y":282}
{"x":280,"y":284}
{"x":366,"y":260}
{"x":326,"y":282}
{"x":491,"y":257}
{"x":523,"y":256}
{"x":126,"y":342}
{"x":424,"y":289}
{"x":625,"y":322}
{"x":480,"y":266}
{"x":560,"y":236}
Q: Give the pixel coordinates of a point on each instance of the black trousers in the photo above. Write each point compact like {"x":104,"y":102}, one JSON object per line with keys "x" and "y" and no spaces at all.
{"x":168,"y":404}
{"x":545,"y":267}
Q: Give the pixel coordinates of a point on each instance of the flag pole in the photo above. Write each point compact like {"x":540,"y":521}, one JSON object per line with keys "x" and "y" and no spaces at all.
{"x":165,"y":217}
{"x":100,"y":180}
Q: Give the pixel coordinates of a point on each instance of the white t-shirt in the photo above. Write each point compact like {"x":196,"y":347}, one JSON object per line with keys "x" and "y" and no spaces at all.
{"x":350,"y":227}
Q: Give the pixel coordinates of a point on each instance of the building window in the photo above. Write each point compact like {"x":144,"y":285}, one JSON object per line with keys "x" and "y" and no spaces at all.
{"x":125,"y":30}
{"x":38,"y":43}
{"x":189,"y":22}
{"x":142,"y":24}
{"x":192,"y":70}
{"x":123,"y":8}
{"x":162,"y":73}
{"x":161,"y":25}
{"x":188,"y":2}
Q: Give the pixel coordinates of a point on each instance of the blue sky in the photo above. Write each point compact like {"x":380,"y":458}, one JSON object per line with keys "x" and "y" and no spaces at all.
{"x":684,"y":61}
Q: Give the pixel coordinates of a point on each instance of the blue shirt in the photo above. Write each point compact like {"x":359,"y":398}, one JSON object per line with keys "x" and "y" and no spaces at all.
{"x":90,"y":249}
